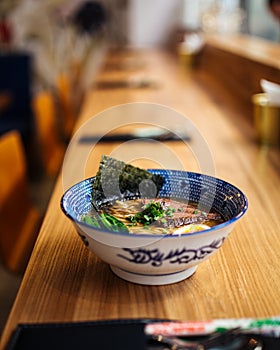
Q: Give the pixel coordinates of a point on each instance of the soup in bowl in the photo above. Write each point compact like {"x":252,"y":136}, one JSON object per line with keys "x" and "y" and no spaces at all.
{"x":161,"y":238}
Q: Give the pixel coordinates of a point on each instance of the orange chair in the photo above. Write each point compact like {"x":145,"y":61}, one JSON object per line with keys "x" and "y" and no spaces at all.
{"x":67,"y":103}
{"x":50,"y":142}
{"x":19,"y":219}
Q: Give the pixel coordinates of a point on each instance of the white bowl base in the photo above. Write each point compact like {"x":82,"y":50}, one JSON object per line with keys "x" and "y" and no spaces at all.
{"x":154,"y":280}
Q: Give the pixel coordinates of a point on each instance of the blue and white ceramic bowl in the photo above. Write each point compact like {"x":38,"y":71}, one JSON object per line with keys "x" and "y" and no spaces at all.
{"x":160,"y":259}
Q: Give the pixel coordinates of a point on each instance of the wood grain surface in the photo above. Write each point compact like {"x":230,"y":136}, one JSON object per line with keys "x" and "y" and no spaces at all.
{"x":65,"y":282}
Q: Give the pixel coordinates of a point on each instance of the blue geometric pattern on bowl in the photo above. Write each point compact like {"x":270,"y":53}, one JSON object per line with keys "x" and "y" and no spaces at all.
{"x":209,"y":192}
{"x":180,"y":256}
{"x":160,"y":259}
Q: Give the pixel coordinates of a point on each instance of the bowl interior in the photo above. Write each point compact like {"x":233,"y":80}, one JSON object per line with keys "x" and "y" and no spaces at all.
{"x":209,"y":192}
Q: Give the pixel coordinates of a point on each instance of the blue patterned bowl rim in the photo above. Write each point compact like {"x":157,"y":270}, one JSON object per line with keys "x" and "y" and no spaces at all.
{"x":168,"y":172}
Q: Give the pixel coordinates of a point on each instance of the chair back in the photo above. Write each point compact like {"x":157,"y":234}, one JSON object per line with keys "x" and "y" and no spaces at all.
{"x":47,"y":127}
{"x":19,"y":219}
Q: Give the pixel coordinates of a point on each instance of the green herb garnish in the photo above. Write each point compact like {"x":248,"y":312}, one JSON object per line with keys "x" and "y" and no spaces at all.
{"x":105,"y":220}
{"x":170,"y":211}
{"x":152,"y":212}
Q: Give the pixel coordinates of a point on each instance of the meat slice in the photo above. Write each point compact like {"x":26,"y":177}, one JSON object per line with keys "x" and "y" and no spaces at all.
{"x":178,"y":214}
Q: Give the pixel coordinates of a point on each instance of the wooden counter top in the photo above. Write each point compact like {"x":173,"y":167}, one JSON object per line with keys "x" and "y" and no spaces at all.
{"x":65,"y":282}
{"x":253,"y":48}
{"x":238,"y":63}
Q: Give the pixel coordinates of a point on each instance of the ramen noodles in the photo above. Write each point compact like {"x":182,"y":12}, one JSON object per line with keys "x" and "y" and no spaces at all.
{"x":155,"y":216}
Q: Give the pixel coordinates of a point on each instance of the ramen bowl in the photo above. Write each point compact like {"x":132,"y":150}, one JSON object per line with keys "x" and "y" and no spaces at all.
{"x":158,"y":259}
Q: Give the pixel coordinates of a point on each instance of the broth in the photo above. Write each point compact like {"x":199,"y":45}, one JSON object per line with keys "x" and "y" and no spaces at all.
{"x":146,"y":216}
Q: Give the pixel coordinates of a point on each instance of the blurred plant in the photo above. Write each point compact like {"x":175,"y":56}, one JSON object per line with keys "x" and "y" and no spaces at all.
{"x":89,"y":18}
{"x":6,"y":6}
{"x":70,"y":45}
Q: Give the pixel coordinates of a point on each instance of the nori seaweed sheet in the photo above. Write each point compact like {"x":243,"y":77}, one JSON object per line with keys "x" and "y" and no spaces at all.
{"x":116,"y":179}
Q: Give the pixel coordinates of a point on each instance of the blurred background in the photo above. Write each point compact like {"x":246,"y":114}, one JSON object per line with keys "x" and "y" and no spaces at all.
{"x":50,"y":53}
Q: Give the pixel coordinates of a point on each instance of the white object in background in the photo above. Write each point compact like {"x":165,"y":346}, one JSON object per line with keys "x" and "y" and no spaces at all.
{"x":272,"y":90}
{"x":192,"y":43}
{"x":150,"y":23}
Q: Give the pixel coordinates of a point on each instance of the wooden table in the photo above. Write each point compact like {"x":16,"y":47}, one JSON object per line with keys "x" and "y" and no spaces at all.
{"x":253,"y":48}
{"x":240,"y":62}
{"x":65,"y":282}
